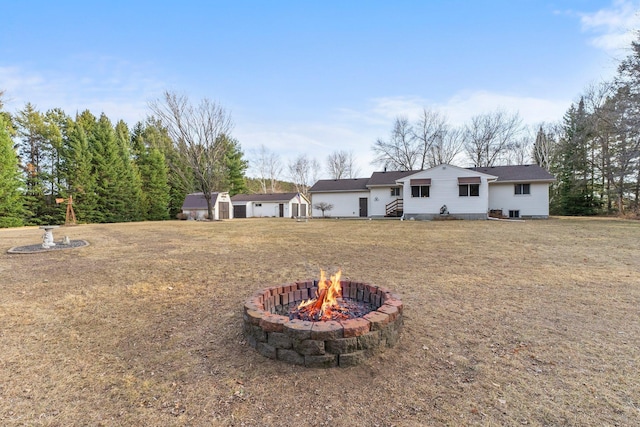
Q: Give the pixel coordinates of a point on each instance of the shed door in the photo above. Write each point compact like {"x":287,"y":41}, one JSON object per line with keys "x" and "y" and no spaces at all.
{"x":281,"y":210}
{"x":295,"y":209}
{"x":224,"y":210}
{"x":363,"y":207}
{"x":239,"y":211}
{"x":303,"y":210}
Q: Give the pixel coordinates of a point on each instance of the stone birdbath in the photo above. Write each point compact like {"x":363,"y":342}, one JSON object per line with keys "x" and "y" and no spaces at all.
{"x":47,"y":237}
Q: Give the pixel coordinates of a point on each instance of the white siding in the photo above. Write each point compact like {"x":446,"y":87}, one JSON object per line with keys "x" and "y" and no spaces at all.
{"x":536,"y":204}
{"x":380,"y":197}
{"x":268,"y":209}
{"x":444,"y":191}
{"x":345,"y":204}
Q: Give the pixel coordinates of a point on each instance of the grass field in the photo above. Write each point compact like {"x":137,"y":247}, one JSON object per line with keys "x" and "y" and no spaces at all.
{"x":506,"y":323}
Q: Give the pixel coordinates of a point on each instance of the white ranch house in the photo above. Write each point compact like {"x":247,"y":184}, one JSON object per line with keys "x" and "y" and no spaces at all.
{"x":195,"y":206}
{"x":443,"y":191}
{"x":281,"y":205}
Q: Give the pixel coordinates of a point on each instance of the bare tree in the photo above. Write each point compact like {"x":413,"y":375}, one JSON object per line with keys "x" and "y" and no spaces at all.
{"x":197,"y":132}
{"x":268,"y":166}
{"x":447,"y":147}
{"x":429,"y":131}
{"x":546,"y":145}
{"x":342,"y":164}
{"x":303,"y":172}
{"x":399,"y":152}
{"x":489,"y":136}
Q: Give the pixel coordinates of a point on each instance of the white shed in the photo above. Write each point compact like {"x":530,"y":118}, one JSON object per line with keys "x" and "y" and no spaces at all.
{"x":280,"y":205}
{"x":195,"y":206}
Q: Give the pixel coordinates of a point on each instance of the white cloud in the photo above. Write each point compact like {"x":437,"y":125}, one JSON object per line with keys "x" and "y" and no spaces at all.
{"x":462,"y":106}
{"x":356,"y":130}
{"x":615,"y":26}
{"x":117,"y":88}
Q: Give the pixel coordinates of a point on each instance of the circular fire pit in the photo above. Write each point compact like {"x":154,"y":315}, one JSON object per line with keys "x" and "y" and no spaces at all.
{"x":272,"y":328}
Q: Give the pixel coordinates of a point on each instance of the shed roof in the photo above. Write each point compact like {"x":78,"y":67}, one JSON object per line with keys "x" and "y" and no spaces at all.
{"x":271,"y":197}
{"x":197,"y":201}
{"x":517,"y":173}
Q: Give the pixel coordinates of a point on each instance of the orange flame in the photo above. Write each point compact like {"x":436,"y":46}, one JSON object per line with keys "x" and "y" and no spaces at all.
{"x":326,"y":297}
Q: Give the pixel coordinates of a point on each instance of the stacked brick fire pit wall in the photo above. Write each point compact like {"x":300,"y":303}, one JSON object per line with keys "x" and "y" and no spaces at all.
{"x":325,"y":344}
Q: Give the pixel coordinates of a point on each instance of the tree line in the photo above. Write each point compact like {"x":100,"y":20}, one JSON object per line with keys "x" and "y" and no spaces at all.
{"x":113,"y":173}
{"x":593,"y":151}
{"x":117,"y":174}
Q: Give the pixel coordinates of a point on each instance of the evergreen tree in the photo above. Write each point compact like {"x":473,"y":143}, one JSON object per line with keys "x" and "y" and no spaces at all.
{"x":11,"y":209}
{"x":55,"y":126}
{"x":78,"y":175}
{"x":574,"y":193}
{"x":33,"y":151}
{"x":235,"y":167}
{"x":107,"y":169}
{"x":154,"y":174}
{"x":180,"y":177}
{"x":130,"y":184}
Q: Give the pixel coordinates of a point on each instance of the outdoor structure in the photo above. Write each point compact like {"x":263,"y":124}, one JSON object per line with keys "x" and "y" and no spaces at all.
{"x":195,"y":206}
{"x":444,"y":191}
{"x":281,"y":205}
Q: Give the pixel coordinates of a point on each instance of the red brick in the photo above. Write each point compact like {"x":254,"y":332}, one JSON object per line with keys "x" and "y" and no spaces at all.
{"x":378,"y":320}
{"x":254,"y":316}
{"x":396,"y":303}
{"x":383,"y":291}
{"x":329,"y":330}
{"x":355,"y":327}
{"x":273,"y":322}
{"x":251,"y":304}
{"x":284,"y":299}
{"x":391,"y":310}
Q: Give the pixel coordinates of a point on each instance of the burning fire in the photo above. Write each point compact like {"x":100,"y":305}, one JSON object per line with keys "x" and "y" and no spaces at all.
{"x":325,"y":306}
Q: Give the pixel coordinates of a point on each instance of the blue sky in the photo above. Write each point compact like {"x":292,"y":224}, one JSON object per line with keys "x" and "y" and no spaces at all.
{"x":313,"y":77}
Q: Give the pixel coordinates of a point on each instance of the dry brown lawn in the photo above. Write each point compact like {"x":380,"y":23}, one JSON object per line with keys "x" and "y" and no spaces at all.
{"x":506,"y":323}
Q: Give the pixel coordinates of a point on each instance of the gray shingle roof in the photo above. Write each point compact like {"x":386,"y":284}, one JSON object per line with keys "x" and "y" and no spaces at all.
{"x":388,"y":177}
{"x":272,"y":197}
{"x":355,"y":184}
{"x":517,"y":173}
{"x":197,"y":201}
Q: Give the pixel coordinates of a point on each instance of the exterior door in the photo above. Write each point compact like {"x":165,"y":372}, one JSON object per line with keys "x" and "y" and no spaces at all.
{"x":363,"y":207}
{"x":303,"y":210}
{"x":239,"y":211}
{"x":281,"y":210}
{"x":295,"y":210}
{"x":224,"y":210}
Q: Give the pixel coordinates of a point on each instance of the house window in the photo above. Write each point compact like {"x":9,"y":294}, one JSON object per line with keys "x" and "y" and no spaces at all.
{"x":523,"y":189}
{"x":465,"y":190}
{"x":514,"y":214}
{"x":395,"y":192}
{"x":419,"y":191}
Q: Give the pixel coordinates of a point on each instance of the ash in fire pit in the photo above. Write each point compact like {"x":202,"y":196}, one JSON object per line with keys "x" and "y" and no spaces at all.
{"x":323,"y":323}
